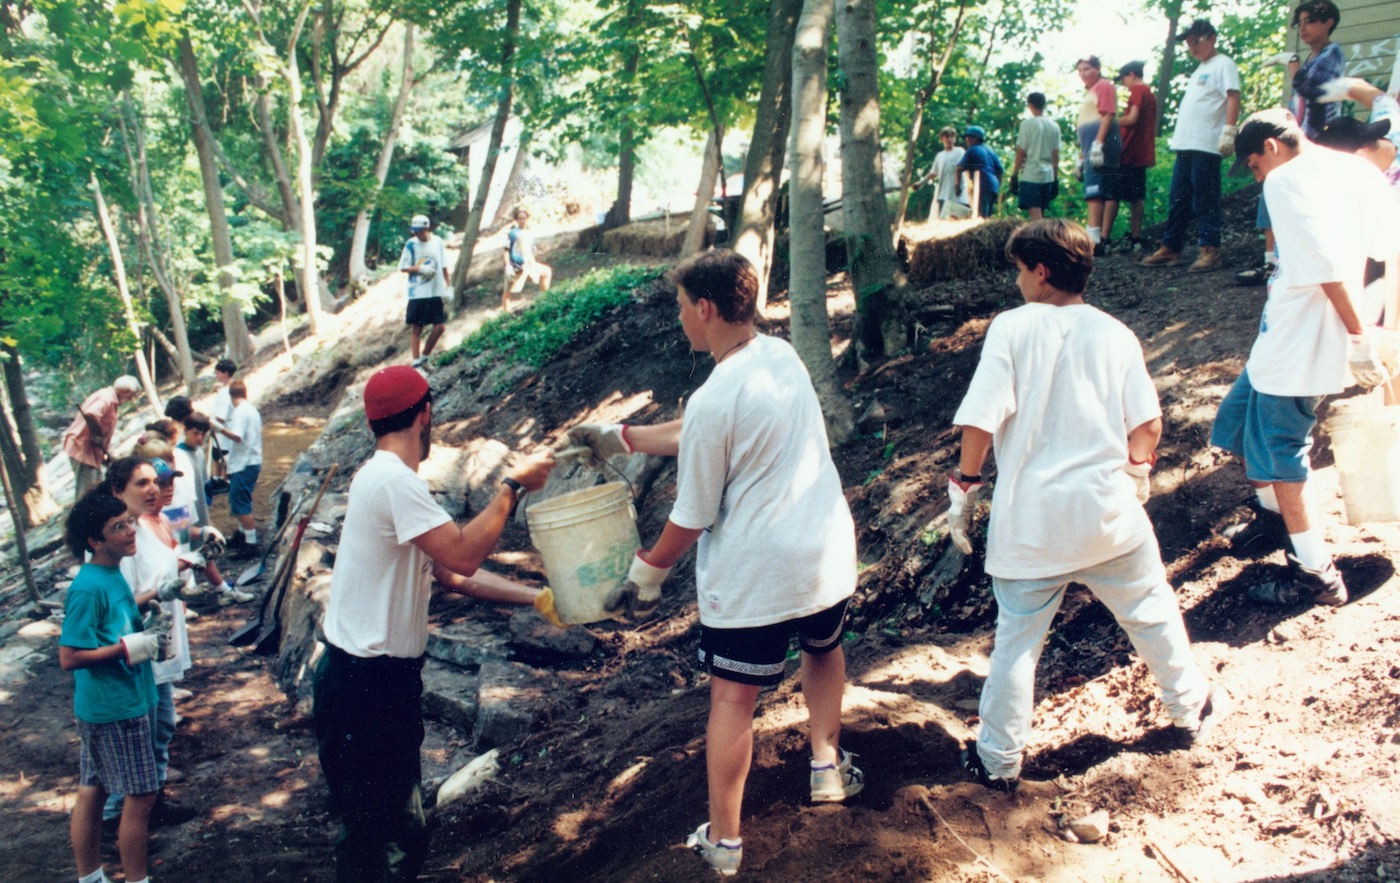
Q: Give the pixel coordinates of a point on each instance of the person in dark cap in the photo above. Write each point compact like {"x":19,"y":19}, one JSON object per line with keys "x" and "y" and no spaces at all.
{"x":1205,"y":131}
{"x":368,"y":684}
{"x":980,"y":160}
{"x":1332,"y":211}
{"x":1139,"y":127}
{"x":1377,"y":142}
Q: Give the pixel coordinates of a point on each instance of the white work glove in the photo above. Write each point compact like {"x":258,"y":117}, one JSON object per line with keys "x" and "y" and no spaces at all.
{"x":214,"y":542}
{"x":1364,"y":361}
{"x":140,"y":647}
{"x":1141,"y":474}
{"x":962,"y":502}
{"x":170,"y":590}
{"x":640,"y":592}
{"x":1338,"y":89}
{"x":1227,"y":140}
{"x":603,"y":440}
{"x":1282,"y":58}
{"x":1096,"y":155}
{"x":193,"y":559}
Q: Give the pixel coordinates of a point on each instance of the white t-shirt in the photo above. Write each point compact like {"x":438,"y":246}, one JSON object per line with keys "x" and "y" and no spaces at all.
{"x":1059,"y":389}
{"x":429,"y":283}
{"x":755,"y":472}
{"x":382,"y":583}
{"x":1331,"y":211}
{"x":1201,"y":116}
{"x":153,"y":564}
{"x":1039,"y":137}
{"x":945,"y":172}
{"x":223,"y":409}
{"x":246,"y":423}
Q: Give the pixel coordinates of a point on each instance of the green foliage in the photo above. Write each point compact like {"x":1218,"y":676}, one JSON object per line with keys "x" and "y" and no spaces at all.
{"x":538,"y":333}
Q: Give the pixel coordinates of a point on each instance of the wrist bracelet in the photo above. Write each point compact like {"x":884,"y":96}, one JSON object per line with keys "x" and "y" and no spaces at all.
{"x":517,"y":491}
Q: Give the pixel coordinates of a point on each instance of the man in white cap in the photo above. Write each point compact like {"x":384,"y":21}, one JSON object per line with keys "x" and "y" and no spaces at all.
{"x":88,"y":440}
{"x":424,"y":259}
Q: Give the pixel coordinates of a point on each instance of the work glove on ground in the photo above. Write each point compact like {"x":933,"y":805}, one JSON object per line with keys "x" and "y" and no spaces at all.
{"x":1281,"y":58}
{"x":603,"y":440}
{"x":1227,"y":140}
{"x":962,"y":502}
{"x":170,"y":590}
{"x":1364,"y":361}
{"x":640,"y":592}
{"x":140,"y":647}
{"x":194,"y":559}
{"x":1141,"y":474}
{"x":1338,"y":89}
{"x":1096,"y":155}
{"x":214,"y":542}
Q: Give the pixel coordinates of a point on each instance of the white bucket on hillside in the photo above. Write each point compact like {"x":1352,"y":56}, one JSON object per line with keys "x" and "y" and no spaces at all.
{"x":587,"y":539}
{"x":1366,"y":446}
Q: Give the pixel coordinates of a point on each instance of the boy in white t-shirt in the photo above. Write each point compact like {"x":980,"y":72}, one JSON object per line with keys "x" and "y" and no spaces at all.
{"x":1062,"y":393}
{"x":948,"y":201}
{"x":1331,"y":211}
{"x":759,"y":493}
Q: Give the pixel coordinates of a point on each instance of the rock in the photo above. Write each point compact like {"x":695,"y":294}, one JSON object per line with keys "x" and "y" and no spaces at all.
{"x":875,"y":417}
{"x":508,"y":700}
{"x":449,"y":695}
{"x":968,"y":704}
{"x":465,"y":644}
{"x":469,"y":778}
{"x":1091,"y":828}
{"x":39,"y":631}
{"x":532,"y":635}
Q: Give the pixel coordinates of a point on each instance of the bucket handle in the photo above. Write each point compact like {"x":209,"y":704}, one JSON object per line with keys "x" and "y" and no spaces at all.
{"x":578,"y":452}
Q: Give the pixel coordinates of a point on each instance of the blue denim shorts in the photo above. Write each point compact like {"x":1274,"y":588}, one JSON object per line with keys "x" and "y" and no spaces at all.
{"x":240,"y":489}
{"x":1032,"y":195}
{"x":1272,"y":433}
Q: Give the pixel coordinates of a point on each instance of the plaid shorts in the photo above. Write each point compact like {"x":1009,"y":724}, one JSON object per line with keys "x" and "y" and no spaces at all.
{"x":119,"y":756}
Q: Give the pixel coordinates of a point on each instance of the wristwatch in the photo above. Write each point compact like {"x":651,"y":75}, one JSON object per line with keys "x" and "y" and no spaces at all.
{"x":517,"y":489}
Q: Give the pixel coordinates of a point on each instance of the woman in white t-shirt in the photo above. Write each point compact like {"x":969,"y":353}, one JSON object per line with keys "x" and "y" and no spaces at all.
{"x":759,"y":494}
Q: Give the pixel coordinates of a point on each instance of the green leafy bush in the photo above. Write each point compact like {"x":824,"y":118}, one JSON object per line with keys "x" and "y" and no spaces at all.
{"x":538,"y":333}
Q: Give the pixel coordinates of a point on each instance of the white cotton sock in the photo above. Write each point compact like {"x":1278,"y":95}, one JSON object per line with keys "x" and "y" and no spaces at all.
{"x":1310,"y":548}
{"x":1270,"y":258}
{"x":224,"y":587}
{"x":1267,"y":498}
{"x":1095,"y":235}
{"x":250,"y":535}
{"x":97,"y":876}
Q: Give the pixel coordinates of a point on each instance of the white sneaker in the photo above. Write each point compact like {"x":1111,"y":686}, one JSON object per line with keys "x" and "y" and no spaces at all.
{"x":720,"y":856}
{"x":833,"y":783}
{"x":235,"y":596}
{"x":420,"y":361}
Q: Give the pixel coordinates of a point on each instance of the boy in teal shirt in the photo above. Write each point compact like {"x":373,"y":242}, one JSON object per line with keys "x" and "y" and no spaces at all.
{"x":106,"y":647}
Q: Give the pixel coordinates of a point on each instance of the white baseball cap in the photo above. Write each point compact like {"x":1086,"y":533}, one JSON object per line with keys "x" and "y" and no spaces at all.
{"x":419,"y":222}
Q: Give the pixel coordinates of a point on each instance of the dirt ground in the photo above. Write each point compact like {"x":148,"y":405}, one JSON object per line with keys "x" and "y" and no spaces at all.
{"x":1298,"y":784}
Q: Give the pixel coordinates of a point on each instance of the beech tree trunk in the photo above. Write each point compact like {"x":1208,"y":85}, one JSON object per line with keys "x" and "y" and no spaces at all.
{"x":237,"y":341}
{"x":360,"y":237}
{"x":811,"y":327}
{"x":870,"y":255}
{"x":493,"y":153}
{"x":763,"y":166}
{"x":700,"y":213}
{"x":30,"y":479}
{"x":109,"y":232}
{"x":620,"y":213}
{"x":1164,"y":76}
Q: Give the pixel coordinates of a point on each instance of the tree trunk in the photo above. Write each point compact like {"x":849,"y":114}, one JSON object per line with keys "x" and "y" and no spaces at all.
{"x":119,"y":273}
{"x":312,"y":290}
{"x":21,"y":520}
{"x":811,"y":328}
{"x":32,"y":482}
{"x":360,"y":238}
{"x":763,"y":166}
{"x":493,"y":153}
{"x":870,"y":253}
{"x":237,"y":341}
{"x":921,"y":99}
{"x":700,"y":213}
{"x":1164,"y":76}
{"x":620,"y":214}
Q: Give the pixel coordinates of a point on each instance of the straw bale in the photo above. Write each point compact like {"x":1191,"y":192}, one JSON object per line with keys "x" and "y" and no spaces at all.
{"x":966,"y":254}
{"x":656,"y":238}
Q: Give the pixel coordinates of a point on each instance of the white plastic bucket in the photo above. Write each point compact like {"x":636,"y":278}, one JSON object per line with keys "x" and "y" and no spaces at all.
{"x":1366,"y":446}
{"x":587,"y":539}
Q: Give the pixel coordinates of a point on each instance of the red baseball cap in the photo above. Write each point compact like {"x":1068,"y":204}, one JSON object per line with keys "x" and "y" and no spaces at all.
{"x":392,"y":391}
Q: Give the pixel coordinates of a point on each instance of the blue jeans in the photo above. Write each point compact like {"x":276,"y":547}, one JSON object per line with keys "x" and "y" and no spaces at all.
{"x":162,"y":734}
{"x":1195,"y":194}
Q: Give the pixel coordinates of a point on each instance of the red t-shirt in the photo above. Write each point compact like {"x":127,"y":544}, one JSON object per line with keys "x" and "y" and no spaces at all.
{"x":1140,"y":139}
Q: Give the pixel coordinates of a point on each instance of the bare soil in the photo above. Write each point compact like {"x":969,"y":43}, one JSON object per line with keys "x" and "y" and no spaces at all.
{"x":1298,"y":785}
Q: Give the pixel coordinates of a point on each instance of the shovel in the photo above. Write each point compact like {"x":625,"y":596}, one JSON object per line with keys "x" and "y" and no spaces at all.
{"x":252,"y":572}
{"x":260,"y":630}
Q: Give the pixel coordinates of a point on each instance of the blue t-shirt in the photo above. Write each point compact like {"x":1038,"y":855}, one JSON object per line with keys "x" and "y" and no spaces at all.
{"x":980,"y":158}
{"x":522,"y":246}
{"x":98,"y":612}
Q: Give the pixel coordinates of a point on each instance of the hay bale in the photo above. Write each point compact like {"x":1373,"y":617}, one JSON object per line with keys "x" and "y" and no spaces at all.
{"x":960,"y":252}
{"x":659,"y":238}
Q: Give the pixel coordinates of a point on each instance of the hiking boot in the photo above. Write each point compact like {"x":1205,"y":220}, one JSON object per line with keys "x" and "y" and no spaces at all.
{"x":1260,"y":532}
{"x":722,"y":857}
{"x":833,"y":783}
{"x":215,"y":486}
{"x":1303,"y":584}
{"x":1207,"y":260}
{"x":1218,"y":706}
{"x":235,"y":596}
{"x":1256,"y":275}
{"x":1103,"y":249}
{"x":972,"y":765}
{"x":1162,"y":257}
{"x":168,"y":812}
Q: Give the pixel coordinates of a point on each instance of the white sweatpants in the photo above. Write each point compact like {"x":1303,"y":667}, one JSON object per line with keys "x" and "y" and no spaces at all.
{"x":1134,"y":587}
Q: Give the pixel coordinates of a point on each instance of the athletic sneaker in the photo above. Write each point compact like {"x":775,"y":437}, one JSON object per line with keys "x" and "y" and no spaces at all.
{"x":235,"y":596}
{"x":833,"y":783}
{"x":972,"y":765}
{"x":1324,"y":586}
{"x":723,"y":856}
{"x":1259,"y":532}
{"x":1255,"y":275}
{"x":420,"y":361}
{"x":1218,"y":707}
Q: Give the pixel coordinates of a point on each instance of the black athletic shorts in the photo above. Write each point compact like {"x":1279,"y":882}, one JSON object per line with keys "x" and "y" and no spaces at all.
{"x":758,"y":655}
{"x":425,"y":311}
{"x":1132,"y":183}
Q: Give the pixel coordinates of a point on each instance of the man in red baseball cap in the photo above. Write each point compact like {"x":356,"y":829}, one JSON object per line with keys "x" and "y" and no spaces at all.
{"x":368,"y":685}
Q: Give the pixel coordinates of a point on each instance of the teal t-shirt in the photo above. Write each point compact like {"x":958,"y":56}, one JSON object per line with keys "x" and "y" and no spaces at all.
{"x":99,"y":611}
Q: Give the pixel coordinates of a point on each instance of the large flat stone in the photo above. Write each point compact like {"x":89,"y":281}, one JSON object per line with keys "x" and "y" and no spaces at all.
{"x":449,"y":695}
{"x":509,"y":699}
{"x":466,"y":644}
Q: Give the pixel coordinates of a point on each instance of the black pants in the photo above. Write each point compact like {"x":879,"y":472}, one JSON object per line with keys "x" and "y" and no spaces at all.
{"x":369,"y":729}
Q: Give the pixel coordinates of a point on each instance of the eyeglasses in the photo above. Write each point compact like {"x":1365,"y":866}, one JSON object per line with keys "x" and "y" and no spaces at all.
{"x":126,"y":525}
